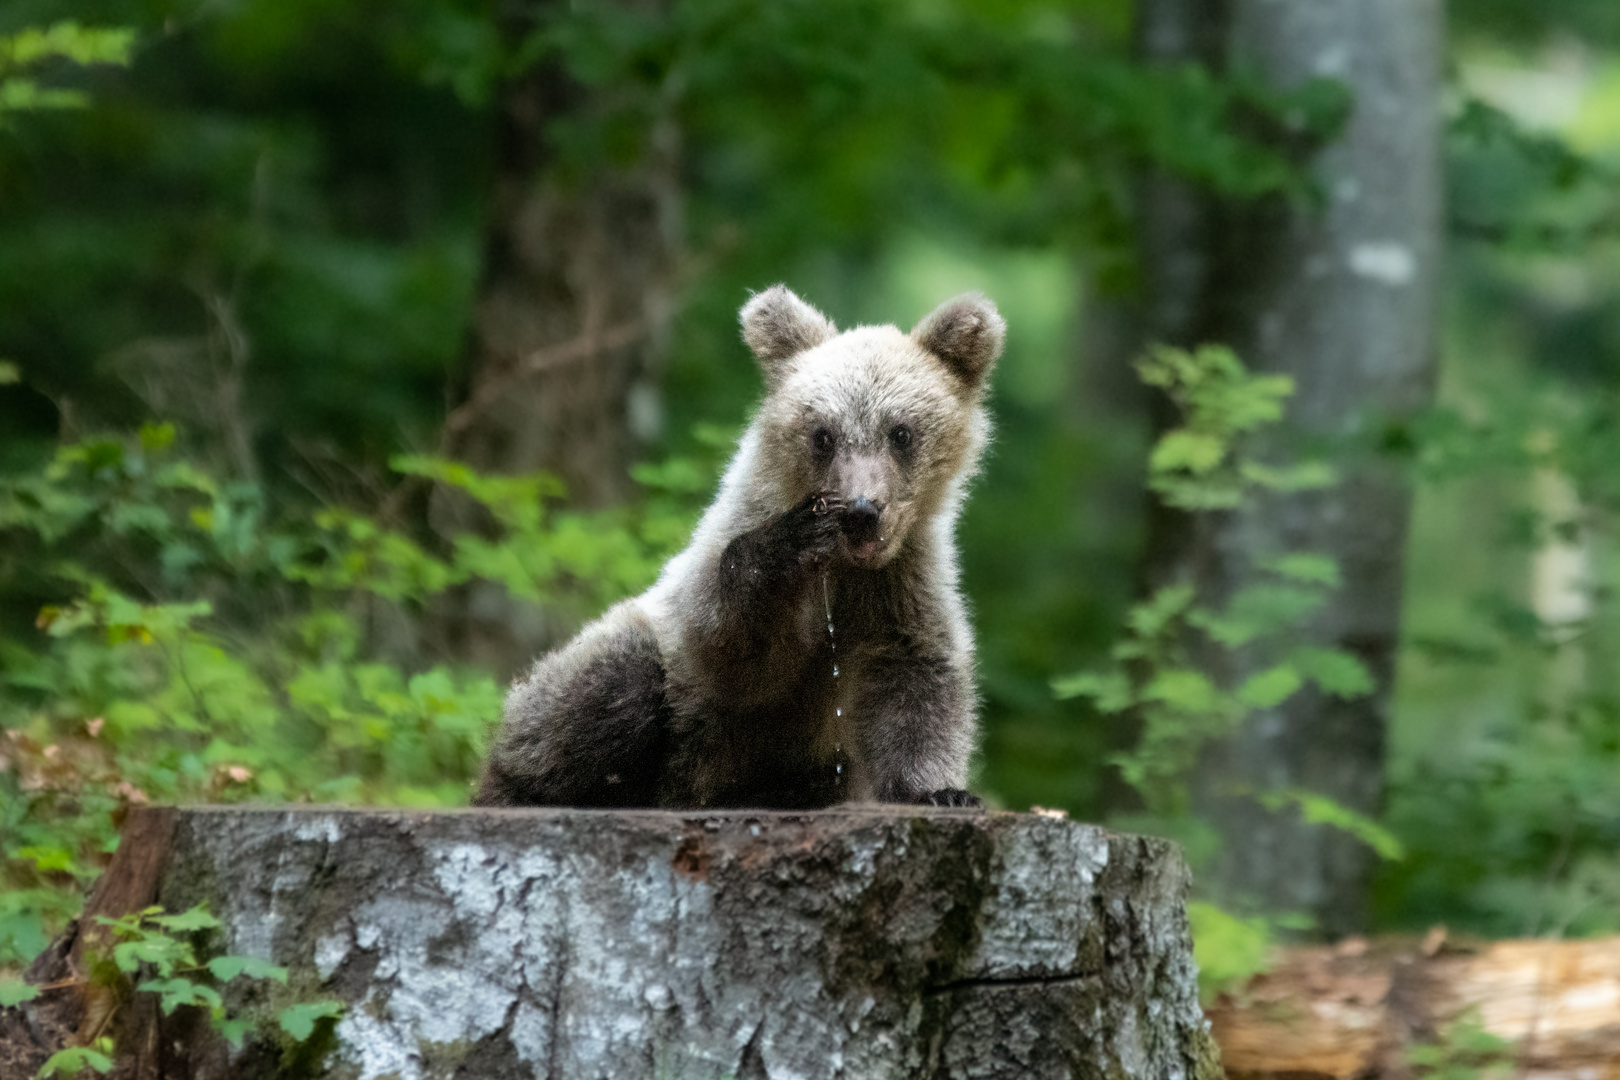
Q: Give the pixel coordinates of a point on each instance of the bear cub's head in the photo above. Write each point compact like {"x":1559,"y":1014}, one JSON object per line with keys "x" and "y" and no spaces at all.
{"x":888,"y":422}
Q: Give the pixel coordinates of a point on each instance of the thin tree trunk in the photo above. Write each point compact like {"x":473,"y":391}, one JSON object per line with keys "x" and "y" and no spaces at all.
{"x":1342,"y":297}
{"x":568,"y":335}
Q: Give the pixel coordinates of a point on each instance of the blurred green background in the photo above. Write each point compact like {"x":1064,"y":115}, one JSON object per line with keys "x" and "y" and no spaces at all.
{"x":271,"y":229}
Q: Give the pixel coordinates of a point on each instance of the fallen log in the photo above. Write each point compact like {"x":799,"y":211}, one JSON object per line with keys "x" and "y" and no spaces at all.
{"x":859,"y":942}
{"x":1547,"y":1010}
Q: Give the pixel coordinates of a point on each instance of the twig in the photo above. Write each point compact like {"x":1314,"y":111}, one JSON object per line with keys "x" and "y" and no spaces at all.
{"x":572,"y":351}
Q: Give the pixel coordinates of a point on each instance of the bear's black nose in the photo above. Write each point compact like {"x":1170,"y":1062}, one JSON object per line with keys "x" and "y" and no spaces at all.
{"x":860,"y":521}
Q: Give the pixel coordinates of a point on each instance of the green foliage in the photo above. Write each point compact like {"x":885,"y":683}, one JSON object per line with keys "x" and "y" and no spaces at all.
{"x":160,"y":950}
{"x":1523,"y":189}
{"x":1319,"y":810}
{"x":75,"y":1059}
{"x":200,"y":645}
{"x":15,"y":992}
{"x":1196,"y":466}
{"x":1229,"y":948}
{"x":299,"y":1020}
{"x":1165,"y":669}
{"x":160,"y":947}
{"x":1464,"y":1051}
{"x":1187,"y":673}
{"x":1504,"y":790}
{"x":23,"y":52}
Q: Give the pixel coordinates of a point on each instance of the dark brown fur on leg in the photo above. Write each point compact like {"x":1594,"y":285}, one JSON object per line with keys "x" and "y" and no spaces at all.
{"x":761,"y":578}
{"x":596,"y":738}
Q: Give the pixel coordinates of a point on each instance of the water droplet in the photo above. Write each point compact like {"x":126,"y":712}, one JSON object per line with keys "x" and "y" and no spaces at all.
{"x":840,"y":712}
{"x":835,"y":671}
{"x":829,"y":628}
{"x":838,"y":768}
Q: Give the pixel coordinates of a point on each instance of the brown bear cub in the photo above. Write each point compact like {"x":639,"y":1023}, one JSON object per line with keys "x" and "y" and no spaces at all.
{"x":810,"y":646}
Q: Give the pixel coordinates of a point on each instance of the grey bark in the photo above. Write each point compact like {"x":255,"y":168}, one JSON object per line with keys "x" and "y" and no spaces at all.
{"x":569,"y":328}
{"x":1343,"y":297}
{"x":857,"y":942}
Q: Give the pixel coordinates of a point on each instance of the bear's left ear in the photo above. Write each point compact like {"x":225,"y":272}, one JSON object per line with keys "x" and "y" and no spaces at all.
{"x":967,"y":333}
{"x":778,"y":326}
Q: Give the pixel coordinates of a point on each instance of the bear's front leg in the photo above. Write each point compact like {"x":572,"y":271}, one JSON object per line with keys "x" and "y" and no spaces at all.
{"x":757,"y":592}
{"x":915,"y":719}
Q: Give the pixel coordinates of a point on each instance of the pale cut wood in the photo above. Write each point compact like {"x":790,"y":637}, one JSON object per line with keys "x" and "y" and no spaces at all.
{"x":1355,"y":1010}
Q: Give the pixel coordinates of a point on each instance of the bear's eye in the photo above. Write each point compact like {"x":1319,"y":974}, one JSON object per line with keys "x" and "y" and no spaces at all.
{"x":822,"y":440}
{"x":900,"y":436}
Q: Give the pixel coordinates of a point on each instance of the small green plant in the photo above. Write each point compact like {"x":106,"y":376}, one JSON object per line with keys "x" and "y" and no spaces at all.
{"x":1230,"y":948}
{"x":159,"y":945}
{"x":1168,"y":672}
{"x":1160,"y":669}
{"x":74,"y":1060}
{"x":158,"y":949}
{"x":194,"y":641}
{"x":1464,"y":1051}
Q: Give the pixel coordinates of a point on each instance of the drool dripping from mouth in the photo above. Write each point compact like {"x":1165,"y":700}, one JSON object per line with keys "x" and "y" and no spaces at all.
{"x":840,"y":775}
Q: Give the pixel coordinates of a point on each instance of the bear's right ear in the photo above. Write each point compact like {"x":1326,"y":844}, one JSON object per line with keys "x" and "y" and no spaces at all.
{"x":779,"y":326}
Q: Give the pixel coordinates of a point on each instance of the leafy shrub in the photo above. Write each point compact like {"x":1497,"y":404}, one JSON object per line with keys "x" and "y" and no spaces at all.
{"x":161,"y":950}
{"x":194,"y":643}
{"x":1161,"y":671}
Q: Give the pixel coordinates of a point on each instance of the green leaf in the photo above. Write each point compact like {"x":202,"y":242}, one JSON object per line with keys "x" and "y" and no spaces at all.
{"x":19,"y":94}
{"x":176,"y":992}
{"x":156,"y":436}
{"x":299,"y":1020}
{"x":164,"y":952}
{"x":1185,"y":689}
{"x":1200,"y":495}
{"x":70,"y":41}
{"x":226,"y":968}
{"x":1229,"y":949}
{"x":233,"y":1030}
{"x":1261,"y":610}
{"x":15,"y":992}
{"x":1304,"y":476}
{"x":1302,"y":566}
{"x":1192,"y":451}
{"x":1153,"y":617}
{"x":22,"y":929}
{"x":1110,"y":691}
{"x":9,"y":373}
{"x":1270,"y":688}
{"x":195,"y":918}
{"x":1335,"y":671}
{"x":1320,"y":810}
{"x":73,"y":1061}
{"x":47,"y":859}
{"x":677,"y":474}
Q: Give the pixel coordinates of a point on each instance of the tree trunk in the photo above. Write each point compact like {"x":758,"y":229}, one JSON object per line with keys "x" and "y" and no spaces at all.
{"x":1342,"y":297}
{"x":857,"y":942}
{"x":569,"y":328}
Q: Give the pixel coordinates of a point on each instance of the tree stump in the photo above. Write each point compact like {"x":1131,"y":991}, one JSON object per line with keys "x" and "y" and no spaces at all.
{"x":860,"y":942}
